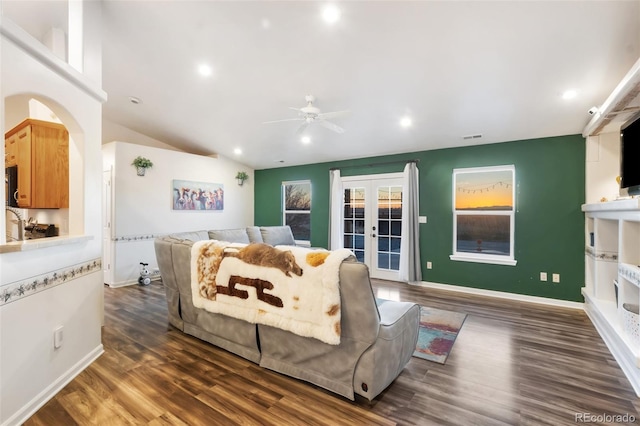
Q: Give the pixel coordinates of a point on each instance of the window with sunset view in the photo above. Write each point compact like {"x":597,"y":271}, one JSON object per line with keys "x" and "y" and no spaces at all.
{"x":484,"y":214}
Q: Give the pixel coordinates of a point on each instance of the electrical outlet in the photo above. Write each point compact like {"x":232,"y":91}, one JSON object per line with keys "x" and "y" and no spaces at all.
{"x":556,"y":278}
{"x":429,"y":265}
{"x":543,"y":276}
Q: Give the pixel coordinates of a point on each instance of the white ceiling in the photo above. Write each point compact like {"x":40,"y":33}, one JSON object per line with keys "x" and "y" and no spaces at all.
{"x":496,"y":68}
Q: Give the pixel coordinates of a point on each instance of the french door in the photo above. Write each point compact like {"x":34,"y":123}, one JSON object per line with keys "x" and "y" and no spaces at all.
{"x":372,"y":222}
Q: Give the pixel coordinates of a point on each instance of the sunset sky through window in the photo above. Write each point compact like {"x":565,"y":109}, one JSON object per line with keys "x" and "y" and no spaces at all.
{"x":485,"y":189}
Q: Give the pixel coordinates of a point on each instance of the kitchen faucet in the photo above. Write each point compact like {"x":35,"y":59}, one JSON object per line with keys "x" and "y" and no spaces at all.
{"x":19,"y":223}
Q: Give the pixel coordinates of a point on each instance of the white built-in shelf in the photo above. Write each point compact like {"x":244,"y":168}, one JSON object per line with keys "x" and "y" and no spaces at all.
{"x":612,"y":277}
{"x":617,"y":205}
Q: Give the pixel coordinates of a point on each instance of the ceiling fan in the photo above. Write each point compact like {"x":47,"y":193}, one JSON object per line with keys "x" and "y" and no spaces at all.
{"x":312,"y":115}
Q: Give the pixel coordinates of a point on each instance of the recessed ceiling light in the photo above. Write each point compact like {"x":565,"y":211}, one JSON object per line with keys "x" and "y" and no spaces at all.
{"x":266,"y":24}
{"x":569,"y":94}
{"x":331,"y":14}
{"x":135,"y":100}
{"x":237,"y":151}
{"x":406,"y":122}
{"x":205,"y":70}
{"x":305,"y":139}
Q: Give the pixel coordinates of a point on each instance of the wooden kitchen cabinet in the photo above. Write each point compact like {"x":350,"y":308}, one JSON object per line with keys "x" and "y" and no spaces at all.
{"x":11,"y":151}
{"x":42,"y":153}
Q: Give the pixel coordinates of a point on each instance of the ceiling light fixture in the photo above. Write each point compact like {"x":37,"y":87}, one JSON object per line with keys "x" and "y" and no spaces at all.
{"x":331,"y":14}
{"x":406,"y":122}
{"x":305,"y":140}
{"x":205,"y":70}
{"x":569,"y":94}
{"x":237,"y":151}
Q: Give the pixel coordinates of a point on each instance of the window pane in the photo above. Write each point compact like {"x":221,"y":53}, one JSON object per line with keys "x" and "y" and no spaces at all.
{"x":395,"y":201}
{"x":300,"y":224}
{"x":348,"y":241}
{"x":488,"y":190}
{"x":395,"y":262}
{"x":348,"y":226}
{"x":396,"y":228}
{"x":297,"y":196}
{"x":395,"y":245}
{"x":383,"y":227}
{"x":383,"y":261}
{"x":359,"y":255}
{"x":348,"y":211}
{"x":359,"y":239}
{"x":359,"y":227}
{"x":483,"y":234}
{"x":383,"y":244}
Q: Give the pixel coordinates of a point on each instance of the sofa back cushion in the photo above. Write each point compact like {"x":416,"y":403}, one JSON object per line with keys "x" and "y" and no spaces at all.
{"x":191,"y":235}
{"x":238,"y":235}
{"x":277,"y":235}
{"x":255,"y":236}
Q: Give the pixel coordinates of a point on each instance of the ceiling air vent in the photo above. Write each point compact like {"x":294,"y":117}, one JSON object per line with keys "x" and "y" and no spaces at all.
{"x":477,"y":136}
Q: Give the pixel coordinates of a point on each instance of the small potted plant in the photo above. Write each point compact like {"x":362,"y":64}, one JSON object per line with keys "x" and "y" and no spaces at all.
{"x":241,"y":177}
{"x":141,"y":164}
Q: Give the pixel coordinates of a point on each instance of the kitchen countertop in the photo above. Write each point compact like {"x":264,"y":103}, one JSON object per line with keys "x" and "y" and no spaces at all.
{"x":38,"y":243}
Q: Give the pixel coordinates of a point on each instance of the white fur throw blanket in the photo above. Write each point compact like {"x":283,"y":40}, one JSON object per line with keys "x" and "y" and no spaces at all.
{"x":292,"y":288}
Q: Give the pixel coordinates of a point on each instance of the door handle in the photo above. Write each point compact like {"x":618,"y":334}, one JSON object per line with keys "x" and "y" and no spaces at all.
{"x":373,"y":235}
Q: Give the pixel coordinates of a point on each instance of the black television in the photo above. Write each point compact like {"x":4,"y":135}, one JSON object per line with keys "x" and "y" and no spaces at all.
{"x":630,"y":157}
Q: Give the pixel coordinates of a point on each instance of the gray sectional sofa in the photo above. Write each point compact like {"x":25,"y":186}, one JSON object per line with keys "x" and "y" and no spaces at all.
{"x":376,"y":342}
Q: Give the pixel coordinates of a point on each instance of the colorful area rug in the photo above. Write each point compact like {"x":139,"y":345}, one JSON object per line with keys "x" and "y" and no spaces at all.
{"x":437,"y":334}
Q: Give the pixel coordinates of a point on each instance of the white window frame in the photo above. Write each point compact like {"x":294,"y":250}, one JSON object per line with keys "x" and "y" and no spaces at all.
{"x":480,"y":257}
{"x":308,"y":212}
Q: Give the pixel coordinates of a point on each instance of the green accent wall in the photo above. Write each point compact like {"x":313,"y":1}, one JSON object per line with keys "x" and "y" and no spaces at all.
{"x":549,"y":227}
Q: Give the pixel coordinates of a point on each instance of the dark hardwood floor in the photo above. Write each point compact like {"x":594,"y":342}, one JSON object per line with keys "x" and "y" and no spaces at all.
{"x":513,"y":363}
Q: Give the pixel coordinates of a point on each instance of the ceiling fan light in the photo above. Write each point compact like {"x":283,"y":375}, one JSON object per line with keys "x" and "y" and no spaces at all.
{"x":305,"y":140}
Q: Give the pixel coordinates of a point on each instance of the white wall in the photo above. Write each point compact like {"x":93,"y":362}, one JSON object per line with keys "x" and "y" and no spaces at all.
{"x":602,"y":167}
{"x":142,"y":206}
{"x":46,"y":288}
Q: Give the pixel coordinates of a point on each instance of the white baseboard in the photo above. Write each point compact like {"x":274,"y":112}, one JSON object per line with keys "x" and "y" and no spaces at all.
{"x":502,"y":295}
{"x":129,"y":282}
{"x":50,"y":391}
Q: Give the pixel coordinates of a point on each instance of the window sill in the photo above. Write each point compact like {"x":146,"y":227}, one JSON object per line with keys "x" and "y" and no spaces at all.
{"x":491,"y":260}
{"x":38,"y":243}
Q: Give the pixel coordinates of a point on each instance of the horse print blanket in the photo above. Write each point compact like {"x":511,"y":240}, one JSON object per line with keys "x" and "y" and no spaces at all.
{"x":292,"y":288}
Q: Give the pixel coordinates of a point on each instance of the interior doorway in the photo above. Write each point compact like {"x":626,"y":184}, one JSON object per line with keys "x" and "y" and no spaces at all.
{"x":372,"y":222}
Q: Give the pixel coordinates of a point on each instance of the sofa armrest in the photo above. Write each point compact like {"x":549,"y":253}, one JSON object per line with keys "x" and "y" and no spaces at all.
{"x":392,"y":350}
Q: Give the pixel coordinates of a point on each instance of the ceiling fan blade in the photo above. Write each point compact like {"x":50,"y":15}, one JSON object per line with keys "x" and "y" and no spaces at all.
{"x":296,"y":109}
{"x":334,"y":114}
{"x":280,"y":121}
{"x":302,"y":128}
{"x":329,"y":125}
